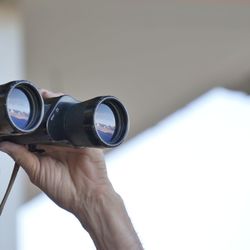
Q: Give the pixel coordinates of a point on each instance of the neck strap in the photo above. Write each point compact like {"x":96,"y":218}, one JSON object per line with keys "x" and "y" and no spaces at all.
{"x":11,"y":182}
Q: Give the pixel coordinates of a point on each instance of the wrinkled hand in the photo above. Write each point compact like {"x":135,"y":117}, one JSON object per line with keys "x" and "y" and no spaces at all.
{"x":68,"y":176}
{"x":76,"y":180}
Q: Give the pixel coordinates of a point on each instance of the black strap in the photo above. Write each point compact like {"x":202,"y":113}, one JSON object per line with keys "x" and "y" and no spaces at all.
{"x":12,"y":180}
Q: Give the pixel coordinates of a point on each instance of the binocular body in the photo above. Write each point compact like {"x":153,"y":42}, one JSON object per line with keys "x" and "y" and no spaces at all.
{"x":27,"y":118}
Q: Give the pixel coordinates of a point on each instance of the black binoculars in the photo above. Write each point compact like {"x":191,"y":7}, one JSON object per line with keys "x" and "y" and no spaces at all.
{"x":27,"y":118}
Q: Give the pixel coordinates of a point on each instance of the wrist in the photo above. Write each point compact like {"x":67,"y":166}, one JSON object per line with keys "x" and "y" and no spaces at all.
{"x":105,"y":218}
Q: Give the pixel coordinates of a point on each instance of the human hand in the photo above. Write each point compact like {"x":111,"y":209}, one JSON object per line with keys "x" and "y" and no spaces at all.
{"x":66,"y":175}
{"x":76,"y":179}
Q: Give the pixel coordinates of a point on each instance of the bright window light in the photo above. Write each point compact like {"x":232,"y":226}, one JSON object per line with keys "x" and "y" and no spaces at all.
{"x":186,"y":183}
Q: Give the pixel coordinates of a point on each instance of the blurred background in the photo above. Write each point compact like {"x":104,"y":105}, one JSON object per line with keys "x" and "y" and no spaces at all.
{"x":156,"y":56}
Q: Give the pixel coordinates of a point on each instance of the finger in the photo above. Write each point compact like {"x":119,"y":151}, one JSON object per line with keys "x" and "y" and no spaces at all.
{"x":57,"y":148}
{"x":22,"y":157}
{"x":49,"y":94}
{"x":62,"y":149}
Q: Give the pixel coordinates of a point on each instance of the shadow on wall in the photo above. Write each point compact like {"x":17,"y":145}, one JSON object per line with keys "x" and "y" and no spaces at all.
{"x":11,"y":67}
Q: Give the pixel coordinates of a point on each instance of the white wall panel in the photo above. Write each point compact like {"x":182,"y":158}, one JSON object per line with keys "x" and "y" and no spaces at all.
{"x":185,"y":183}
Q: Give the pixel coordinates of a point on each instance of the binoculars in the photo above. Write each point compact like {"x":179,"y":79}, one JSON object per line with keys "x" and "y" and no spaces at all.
{"x":27,"y":118}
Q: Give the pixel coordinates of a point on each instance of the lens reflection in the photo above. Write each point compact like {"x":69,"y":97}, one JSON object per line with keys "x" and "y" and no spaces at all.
{"x":19,"y":108}
{"x":105,"y":122}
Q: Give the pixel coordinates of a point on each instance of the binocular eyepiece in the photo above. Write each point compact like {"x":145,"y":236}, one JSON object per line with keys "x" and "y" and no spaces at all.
{"x":27,"y":118}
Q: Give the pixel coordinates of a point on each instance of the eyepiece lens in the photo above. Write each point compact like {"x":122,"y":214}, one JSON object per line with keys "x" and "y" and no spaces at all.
{"x":105,"y":122}
{"x":19,"y":108}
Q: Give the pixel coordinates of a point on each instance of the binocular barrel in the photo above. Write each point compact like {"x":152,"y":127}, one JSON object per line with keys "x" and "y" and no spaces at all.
{"x":27,"y":118}
{"x":21,"y":108}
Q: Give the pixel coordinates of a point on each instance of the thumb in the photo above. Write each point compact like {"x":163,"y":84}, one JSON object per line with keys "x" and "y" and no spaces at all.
{"x":22,"y":157}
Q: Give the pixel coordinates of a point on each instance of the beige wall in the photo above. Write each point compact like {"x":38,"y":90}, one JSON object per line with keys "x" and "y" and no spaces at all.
{"x":154,"y":55}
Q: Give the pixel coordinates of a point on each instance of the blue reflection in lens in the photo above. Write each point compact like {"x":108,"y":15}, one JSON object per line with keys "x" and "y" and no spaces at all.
{"x":105,"y":122}
{"x":19,"y":108}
